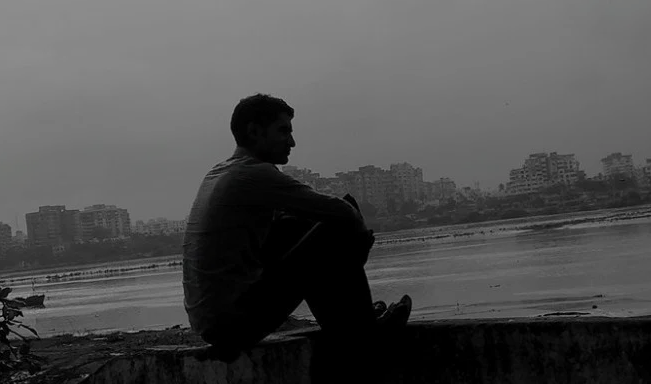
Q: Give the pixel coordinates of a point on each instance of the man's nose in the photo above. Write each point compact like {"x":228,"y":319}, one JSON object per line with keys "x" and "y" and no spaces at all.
{"x":292,"y":142}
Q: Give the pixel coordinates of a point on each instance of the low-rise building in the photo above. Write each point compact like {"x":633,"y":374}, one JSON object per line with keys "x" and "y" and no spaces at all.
{"x":331,"y":185}
{"x":139,"y":228}
{"x":20,"y":237}
{"x":646,"y":170}
{"x":160,"y":226}
{"x":444,"y":189}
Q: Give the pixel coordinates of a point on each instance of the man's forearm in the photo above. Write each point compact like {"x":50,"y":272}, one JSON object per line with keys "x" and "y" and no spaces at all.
{"x":284,"y":192}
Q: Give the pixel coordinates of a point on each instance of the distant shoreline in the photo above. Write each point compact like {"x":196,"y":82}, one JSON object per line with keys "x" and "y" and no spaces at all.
{"x":530,"y":223}
{"x":109,"y":265}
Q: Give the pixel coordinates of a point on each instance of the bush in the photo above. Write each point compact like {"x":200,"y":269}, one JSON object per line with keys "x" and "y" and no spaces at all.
{"x":14,"y":358}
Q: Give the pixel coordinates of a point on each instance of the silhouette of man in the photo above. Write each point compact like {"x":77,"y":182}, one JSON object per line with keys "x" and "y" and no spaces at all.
{"x":259,"y":242}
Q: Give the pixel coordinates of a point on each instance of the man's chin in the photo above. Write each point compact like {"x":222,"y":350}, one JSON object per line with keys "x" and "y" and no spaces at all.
{"x":282,"y":160}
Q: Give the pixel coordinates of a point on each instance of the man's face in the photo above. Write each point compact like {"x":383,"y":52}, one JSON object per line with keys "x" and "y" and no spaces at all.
{"x":274,"y":142}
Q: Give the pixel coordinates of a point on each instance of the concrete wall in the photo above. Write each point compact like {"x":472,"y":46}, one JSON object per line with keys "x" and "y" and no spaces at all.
{"x":543,"y":350}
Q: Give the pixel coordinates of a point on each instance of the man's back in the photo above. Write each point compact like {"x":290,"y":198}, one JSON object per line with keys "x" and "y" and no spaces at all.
{"x":221,"y":242}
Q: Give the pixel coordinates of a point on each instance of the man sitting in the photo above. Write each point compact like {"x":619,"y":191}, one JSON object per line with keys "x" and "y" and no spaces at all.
{"x":259,"y":242}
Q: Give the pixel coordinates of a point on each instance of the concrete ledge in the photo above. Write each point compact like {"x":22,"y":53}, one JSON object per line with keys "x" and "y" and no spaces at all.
{"x":541,"y":350}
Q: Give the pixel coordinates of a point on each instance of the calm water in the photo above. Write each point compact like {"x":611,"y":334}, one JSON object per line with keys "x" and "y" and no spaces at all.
{"x":499,"y":270}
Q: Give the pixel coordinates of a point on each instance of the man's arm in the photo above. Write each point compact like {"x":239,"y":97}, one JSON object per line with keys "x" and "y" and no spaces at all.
{"x":274,"y":188}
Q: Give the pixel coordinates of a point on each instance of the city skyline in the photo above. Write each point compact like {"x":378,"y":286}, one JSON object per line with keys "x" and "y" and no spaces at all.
{"x":177,"y":214}
{"x":111,"y":102}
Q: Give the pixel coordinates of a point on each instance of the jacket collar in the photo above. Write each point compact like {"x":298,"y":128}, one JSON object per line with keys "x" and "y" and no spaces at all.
{"x":241,"y":152}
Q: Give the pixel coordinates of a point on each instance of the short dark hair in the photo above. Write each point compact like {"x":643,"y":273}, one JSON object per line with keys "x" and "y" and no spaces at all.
{"x":258,"y":109}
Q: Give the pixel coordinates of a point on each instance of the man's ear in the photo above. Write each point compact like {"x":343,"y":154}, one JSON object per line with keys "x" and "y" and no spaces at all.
{"x":253,"y":131}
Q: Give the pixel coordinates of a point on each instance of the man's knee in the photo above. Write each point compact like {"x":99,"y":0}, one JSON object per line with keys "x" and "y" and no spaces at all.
{"x":340,"y":244}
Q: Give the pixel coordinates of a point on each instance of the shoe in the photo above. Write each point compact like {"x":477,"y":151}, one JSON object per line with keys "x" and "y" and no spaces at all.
{"x":397,"y":315}
{"x":379,"y":307}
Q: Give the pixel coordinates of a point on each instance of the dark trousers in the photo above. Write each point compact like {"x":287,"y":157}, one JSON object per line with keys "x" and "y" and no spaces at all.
{"x":324,"y":268}
{"x":323,"y":265}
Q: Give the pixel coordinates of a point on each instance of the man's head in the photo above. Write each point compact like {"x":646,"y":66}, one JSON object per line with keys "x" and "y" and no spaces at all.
{"x":263,"y":125}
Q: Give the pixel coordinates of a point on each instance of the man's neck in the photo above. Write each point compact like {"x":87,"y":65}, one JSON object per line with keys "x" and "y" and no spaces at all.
{"x":243,"y":152}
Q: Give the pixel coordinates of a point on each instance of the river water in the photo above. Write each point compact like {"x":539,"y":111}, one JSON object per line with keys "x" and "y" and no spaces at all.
{"x":600,"y":266}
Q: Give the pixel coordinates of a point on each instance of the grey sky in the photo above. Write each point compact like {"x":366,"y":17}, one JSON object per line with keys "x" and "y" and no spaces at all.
{"x":127,"y":102}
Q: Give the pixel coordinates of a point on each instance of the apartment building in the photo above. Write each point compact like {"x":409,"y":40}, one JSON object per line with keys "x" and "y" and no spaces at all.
{"x":409,"y":181}
{"x":563,"y":169}
{"x":541,"y":170}
{"x":106,"y":221}
{"x":53,"y":225}
{"x":617,"y":164}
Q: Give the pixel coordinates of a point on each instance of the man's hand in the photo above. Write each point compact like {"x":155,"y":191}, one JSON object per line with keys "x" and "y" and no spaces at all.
{"x":351,"y":200}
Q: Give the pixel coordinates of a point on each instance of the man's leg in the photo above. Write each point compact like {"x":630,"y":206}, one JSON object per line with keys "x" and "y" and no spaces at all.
{"x":328,"y":269}
{"x":322,"y":269}
{"x":270,"y":301}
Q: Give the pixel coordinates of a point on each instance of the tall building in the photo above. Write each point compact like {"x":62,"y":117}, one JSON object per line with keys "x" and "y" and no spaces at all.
{"x":409,"y":181}
{"x":541,"y":170}
{"x":378,"y":186}
{"x":5,"y":238}
{"x":53,"y":225}
{"x":563,"y":169}
{"x":101,"y":220}
{"x":368,"y":184}
{"x":618,"y":164}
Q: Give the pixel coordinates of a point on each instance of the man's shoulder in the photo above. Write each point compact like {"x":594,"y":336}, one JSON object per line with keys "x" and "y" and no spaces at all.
{"x":239,"y":169}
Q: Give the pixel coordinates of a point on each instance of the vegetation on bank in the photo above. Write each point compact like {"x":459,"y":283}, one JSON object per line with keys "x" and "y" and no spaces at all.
{"x":15,"y":357}
{"x":585,"y":196}
{"x":463,"y":209}
{"x":135,"y":247}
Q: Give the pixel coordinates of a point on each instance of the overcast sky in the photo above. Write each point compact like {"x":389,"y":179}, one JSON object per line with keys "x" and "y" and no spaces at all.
{"x":127,"y":102}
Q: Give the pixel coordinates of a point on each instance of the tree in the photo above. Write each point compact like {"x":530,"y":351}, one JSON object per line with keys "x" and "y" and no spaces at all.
{"x":537,"y":202}
{"x":392,"y":206}
{"x":12,"y":358}
{"x":409,"y":206}
{"x":592,"y":186}
{"x":451,"y":204}
{"x":101,"y":233}
{"x":633,"y":198}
